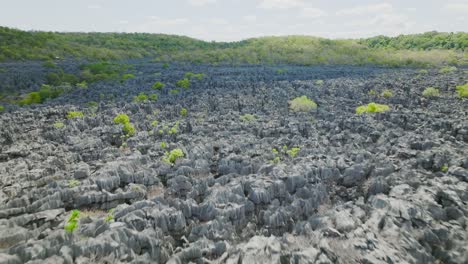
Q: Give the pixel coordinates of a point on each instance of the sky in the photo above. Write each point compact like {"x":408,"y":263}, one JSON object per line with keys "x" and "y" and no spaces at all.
{"x":232,"y":20}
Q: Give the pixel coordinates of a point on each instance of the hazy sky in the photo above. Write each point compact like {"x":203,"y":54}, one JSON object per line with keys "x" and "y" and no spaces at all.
{"x":226,"y":20}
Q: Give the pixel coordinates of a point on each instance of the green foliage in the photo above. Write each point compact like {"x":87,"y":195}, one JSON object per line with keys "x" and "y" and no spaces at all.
{"x":372,"y":108}
{"x":122,"y":119}
{"x":110,"y":216}
{"x":462,"y":91}
{"x":372,"y":93}
{"x":302,"y":104}
{"x":82,"y":85}
{"x":75,"y":114}
{"x":431,"y":92}
{"x":319,"y":82}
{"x":184,"y":83}
{"x":104,"y":71}
{"x":2,"y":108}
{"x":414,"y":50}
{"x":165,"y":66}
{"x":423,"y":71}
{"x":247,"y":118}
{"x":293,"y":152}
{"x":72,"y":222}
{"x":276,"y":160}
{"x":174,"y":91}
{"x":73,"y":183}
{"x":163,"y":145}
{"x":183,"y":112}
{"x":153,"y":97}
{"x":154,"y":123}
{"x":46,"y":92}
{"x":129,"y":129}
{"x":386,"y":94}
{"x":171,"y":157}
{"x":447,"y":69}
{"x":127,"y":76}
{"x":174,"y":129}
{"x":49,"y":64}
{"x":158,"y":86}
{"x":31,"y":98}
{"x":93,"y":104}
{"x":191,"y":75}
{"x":141,"y":97}
{"x":59,"y":125}
{"x":444,"y":168}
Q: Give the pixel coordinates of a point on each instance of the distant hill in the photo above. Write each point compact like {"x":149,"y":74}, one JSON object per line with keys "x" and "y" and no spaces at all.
{"x":431,"y":48}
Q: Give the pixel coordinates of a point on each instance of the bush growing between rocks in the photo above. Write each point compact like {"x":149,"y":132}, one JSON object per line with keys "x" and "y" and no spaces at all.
{"x":247,"y":118}
{"x":302,"y":104}
{"x":184,"y":83}
{"x":462,"y":91}
{"x":153,"y":97}
{"x":174,"y":91}
{"x":171,"y":157}
{"x":2,"y":108}
{"x":431,"y":92}
{"x":82,"y":85}
{"x":59,"y":125}
{"x":158,"y":86}
{"x":75,"y":114}
{"x":387,"y":94}
{"x":423,"y":71}
{"x":190,"y":75}
{"x":141,"y":97}
{"x":127,"y":76}
{"x":372,"y":108}
{"x":183,"y":112}
{"x":319,"y":82}
{"x":293,"y":152}
{"x":124,"y":120}
{"x":447,"y":69}
{"x":72,"y":222}
{"x":372,"y":92}
{"x":73,"y":183}
{"x":163,"y":145}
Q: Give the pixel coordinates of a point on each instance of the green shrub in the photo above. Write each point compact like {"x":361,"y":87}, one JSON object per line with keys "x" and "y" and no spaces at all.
{"x":93,"y":104}
{"x":319,"y":82}
{"x":49,"y":64}
{"x":444,"y":168}
{"x":72,"y":222}
{"x":184,"y":83}
{"x":163,"y":145}
{"x":386,"y":94}
{"x":154,"y":123}
{"x":158,"y":86}
{"x":2,"y":108}
{"x":129,"y":129}
{"x":59,"y":125}
{"x":174,"y":91}
{"x":293,"y":152}
{"x":165,"y":66}
{"x":109,"y":218}
{"x":463,"y":91}
{"x":447,"y":69}
{"x":302,"y":104}
{"x":431,"y":92}
{"x":372,"y":108}
{"x":183,"y":112}
{"x":127,"y":76}
{"x":171,"y":157}
{"x":122,"y":119}
{"x":247,"y":118}
{"x":73,"y":183}
{"x":423,"y":71}
{"x":31,"y":98}
{"x":153,"y":97}
{"x":141,"y":97}
{"x":82,"y":85}
{"x":74,"y":114}
{"x":174,"y":129}
{"x":372,"y":93}
{"x":190,"y":75}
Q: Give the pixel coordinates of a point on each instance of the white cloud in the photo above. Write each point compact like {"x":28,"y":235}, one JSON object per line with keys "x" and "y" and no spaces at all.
{"x":218,"y":21}
{"x":310,"y":12}
{"x":461,"y":7}
{"x":280,"y":4}
{"x":250,"y":18}
{"x":94,"y":6}
{"x":201,"y":2}
{"x":367,"y":9}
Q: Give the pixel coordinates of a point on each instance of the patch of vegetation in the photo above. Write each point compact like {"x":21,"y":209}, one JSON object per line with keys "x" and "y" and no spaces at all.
{"x":46,"y":92}
{"x":124,"y":120}
{"x":319,"y":82}
{"x":110,"y":216}
{"x":372,"y":108}
{"x":141,"y":97}
{"x":423,"y":71}
{"x":191,"y":75}
{"x":447,"y":69}
{"x":163,"y":145}
{"x":293,"y":152}
{"x":184,"y":83}
{"x":104,"y":71}
{"x":128,"y":76}
{"x":174,"y":129}
{"x":462,"y":91}
{"x":174,"y":91}
{"x":158,"y":86}
{"x":183,"y":112}
{"x":72,"y":222}
{"x":372,"y":92}
{"x":444,"y":168}
{"x":82,"y":85}
{"x":59,"y":125}
{"x":247,"y":118}
{"x":75,"y":114}
{"x":431,"y":92}
{"x":386,"y":94}
{"x":172,"y":156}
{"x":302,"y":104}
{"x":73,"y":183}
{"x":93,"y":104}
{"x":2,"y":108}
{"x":154,"y":123}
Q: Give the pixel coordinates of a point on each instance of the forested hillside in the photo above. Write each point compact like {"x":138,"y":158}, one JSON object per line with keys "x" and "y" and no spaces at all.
{"x":430,"y":48}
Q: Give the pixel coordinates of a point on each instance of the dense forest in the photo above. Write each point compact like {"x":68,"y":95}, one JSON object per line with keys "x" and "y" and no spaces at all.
{"x":425,"y":49}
